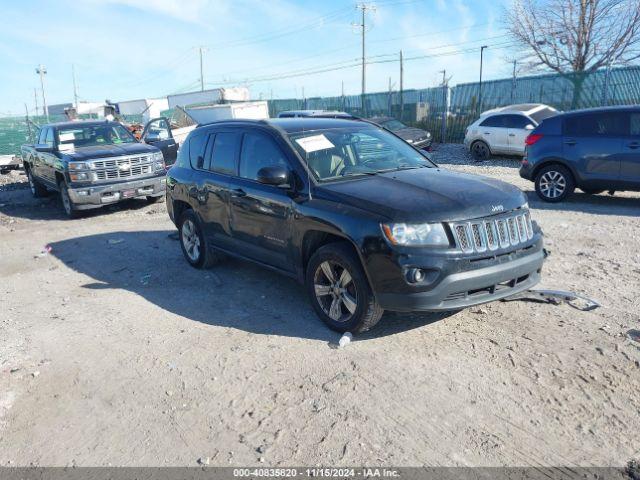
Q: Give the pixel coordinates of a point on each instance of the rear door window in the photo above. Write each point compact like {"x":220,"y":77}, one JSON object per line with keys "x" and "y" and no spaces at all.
{"x":224,"y":153}
{"x":516,"y":121}
{"x":605,"y":124}
{"x":197,"y":146}
{"x":494,"y":121}
{"x":49,"y":138}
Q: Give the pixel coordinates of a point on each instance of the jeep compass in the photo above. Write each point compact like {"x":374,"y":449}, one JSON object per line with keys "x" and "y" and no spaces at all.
{"x":367,"y":222}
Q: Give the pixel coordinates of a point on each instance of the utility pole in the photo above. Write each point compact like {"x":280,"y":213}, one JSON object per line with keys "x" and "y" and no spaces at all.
{"x":401,"y":86}
{"x":75,"y":87}
{"x":605,"y":87}
{"x":480,"y":85}
{"x":35,"y":98}
{"x":201,"y":49}
{"x":364,"y":7}
{"x":444,"y":106}
{"x":42,"y":71}
{"x":513,"y":82}
{"x":26,"y":111}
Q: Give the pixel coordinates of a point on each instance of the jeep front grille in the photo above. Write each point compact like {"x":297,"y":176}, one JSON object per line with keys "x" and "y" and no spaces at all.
{"x":492,"y":234}
{"x":122,"y":167}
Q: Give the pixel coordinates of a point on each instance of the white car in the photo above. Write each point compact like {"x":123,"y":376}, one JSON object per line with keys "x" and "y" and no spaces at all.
{"x":503,"y":130}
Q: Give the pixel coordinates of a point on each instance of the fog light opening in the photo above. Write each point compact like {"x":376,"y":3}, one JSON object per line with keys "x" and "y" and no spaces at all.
{"x":415,"y":275}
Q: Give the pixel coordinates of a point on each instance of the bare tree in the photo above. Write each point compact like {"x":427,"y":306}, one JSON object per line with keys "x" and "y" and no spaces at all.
{"x":574,"y":37}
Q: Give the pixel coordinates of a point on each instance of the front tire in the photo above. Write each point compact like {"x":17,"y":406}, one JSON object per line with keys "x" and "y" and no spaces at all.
{"x":193,"y":243}
{"x":37,"y":189}
{"x":480,"y":150}
{"x":67,"y":204}
{"x":339,"y":290}
{"x":554,"y":183}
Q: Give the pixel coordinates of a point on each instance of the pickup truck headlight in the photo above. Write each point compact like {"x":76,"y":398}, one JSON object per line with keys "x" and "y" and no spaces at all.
{"x":158,"y":161}
{"x":416,"y":234}
{"x":78,"y":166}
{"x":78,"y":177}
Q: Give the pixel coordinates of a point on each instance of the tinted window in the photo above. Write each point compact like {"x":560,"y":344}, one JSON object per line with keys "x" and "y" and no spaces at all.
{"x":224,"y":153}
{"x":596,"y":124}
{"x":259,"y":151}
{"x":493,"y":121}
{"x":635,"y":124}
{"x":197,"y":145}
{"x":516,"y":121}
{"x":42,"y":136}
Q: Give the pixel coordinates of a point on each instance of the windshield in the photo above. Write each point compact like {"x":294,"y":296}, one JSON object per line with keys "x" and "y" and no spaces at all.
{"x":341,"y":152}
{"x":93,"y":135}
{"x":394,"y":125}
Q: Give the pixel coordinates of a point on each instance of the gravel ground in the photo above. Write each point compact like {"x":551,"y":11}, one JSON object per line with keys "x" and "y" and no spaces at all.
{"x":114,"y":352}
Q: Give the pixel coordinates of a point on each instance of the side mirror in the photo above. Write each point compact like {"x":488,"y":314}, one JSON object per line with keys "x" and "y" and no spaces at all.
{"x":529,"y":127}
{"x":44,"y":148}
{"x":274,"y":175}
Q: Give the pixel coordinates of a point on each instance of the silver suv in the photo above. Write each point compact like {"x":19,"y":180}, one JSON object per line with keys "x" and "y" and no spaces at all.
{"x":503,"y":130}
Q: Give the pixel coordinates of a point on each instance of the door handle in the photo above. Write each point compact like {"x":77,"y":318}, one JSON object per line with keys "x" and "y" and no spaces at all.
{"x":634,"y":145}
{"x":512,"y":134}
{"x":238,"y":192}
{"x":487,"y":133}
{"x":570,"y":142}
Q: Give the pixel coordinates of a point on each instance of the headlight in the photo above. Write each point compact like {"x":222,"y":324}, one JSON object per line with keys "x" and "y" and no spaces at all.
{"x":77,"y":177}
{"x":416,"y":234}
{"x":428,"y":135}
{"x":78,"y":166}
{"x":157,"y":156}
{"x":409,"y":141}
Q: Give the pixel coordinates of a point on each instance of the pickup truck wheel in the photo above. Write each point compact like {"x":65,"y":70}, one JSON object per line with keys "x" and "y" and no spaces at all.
{"x":339,"y":290}
{"x":480,"y":150}
{"x":192,"y":241}
{"x":37,"y":189}
{"x":67,"y":203}
{"x":554,"y":183}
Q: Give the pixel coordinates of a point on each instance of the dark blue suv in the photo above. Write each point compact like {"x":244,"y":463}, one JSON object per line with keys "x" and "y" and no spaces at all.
{"x":594,"y":150}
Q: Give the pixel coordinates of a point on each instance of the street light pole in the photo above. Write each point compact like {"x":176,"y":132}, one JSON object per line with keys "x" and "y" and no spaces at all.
{"x":480,"y":85}
{"x":42,"y":71}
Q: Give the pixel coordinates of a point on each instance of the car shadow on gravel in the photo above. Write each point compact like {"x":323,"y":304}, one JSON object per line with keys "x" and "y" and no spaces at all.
{"x":234,"y":294}
{"x":602,"y":204}
{"x":19,"y":203}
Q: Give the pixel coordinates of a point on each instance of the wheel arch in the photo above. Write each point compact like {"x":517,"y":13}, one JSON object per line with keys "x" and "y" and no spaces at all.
{"x":555,"y":161}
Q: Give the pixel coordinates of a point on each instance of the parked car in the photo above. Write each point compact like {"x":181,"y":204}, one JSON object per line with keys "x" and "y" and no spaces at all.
{"x":415,"y":136}
{"x":594,"y":150}
{"x":314,"y":113}
{"x":504,"y":130}
{"x":364,"y":232}
{"x":9,"y":162}
{"x":91,"y":164}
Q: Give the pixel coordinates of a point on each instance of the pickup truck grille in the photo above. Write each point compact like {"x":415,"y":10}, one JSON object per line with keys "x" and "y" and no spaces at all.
{"x":493,"y":233}
{"x":122,"y":167}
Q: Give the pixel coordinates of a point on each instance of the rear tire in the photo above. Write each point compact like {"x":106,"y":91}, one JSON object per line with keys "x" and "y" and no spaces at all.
{"x":37,"y":189}
{"x":339,"y":290}
{"x":193,"y":243}
{"x":480,"y":150}
{"x":554,"y":183}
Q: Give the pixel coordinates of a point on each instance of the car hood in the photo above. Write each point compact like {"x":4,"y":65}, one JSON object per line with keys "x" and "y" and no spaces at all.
{"x":412,"y":133}
{"x":426,"y":195}
{"x":101,"y":151}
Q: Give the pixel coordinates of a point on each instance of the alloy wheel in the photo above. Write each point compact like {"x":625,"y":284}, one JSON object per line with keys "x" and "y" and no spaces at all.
{"x":480,"y":150}
{"x":335,"y":291}
{"x":191,"y":240}
{"x":552,"y":184}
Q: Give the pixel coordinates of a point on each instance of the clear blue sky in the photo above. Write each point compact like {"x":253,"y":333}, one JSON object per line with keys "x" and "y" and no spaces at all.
{"x":128,"y":49}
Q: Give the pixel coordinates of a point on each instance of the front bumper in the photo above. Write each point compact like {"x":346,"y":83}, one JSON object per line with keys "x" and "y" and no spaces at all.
{"x":95,"y":196}
{"x":465,"y":288}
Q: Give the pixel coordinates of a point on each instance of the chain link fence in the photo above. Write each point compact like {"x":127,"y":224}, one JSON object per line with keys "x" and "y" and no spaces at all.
{"x":447,"y":111}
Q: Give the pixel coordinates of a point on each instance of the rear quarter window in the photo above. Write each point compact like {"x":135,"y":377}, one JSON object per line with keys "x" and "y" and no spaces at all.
{"x":196,"y":147}
{"x":597,"y":124}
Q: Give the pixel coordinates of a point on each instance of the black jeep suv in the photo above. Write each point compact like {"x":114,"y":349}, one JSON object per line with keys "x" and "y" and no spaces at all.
{"x":366,"y":221}
{"x":595,"y":150}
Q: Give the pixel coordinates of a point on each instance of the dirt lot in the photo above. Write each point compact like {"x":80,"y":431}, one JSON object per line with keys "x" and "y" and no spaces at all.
{"x":114,"y":352}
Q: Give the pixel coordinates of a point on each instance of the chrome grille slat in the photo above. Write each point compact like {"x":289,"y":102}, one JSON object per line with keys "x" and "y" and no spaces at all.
{"x":493,"y":234}
{"x":114,"y":168}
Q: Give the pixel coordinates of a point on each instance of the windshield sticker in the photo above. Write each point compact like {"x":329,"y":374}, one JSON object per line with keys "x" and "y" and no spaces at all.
{"x":314,"y":143}
{"x":66,"y":137}
{"x":66,"y":147}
